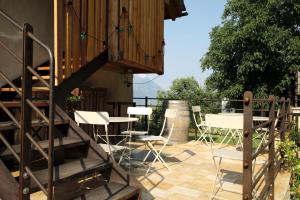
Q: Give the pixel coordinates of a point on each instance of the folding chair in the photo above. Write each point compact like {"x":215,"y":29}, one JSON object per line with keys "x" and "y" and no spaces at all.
{"x":229,"y":154}
{"x":138,"y":112}
{"x":98,"y":118}
{"x":201,"y":125}
{"x":231,"y":124}
{"x":151,"y":140}
{"x":133,"y":131}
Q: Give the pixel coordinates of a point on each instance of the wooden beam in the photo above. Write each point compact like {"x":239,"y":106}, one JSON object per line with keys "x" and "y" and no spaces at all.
{"x":58,"y":31}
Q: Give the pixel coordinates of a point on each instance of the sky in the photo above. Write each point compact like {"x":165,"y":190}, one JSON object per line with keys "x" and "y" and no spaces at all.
{"x":187,"y":40}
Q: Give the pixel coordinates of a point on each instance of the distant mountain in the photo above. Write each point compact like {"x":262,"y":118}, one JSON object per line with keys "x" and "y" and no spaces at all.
{"x":148,"y":89}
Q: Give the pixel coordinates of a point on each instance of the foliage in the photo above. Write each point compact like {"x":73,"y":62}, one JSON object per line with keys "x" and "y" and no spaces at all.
{"x":183,"y":89}
{"x":73,"y":101}
{"x":256,"y":48}
{"x":290,"y":154}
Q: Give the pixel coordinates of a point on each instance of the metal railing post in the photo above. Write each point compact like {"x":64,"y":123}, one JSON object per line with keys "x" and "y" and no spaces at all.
{"x":247,"y":146}
{"x":26,"y":113}
{"x":146,"y":105}
{"x":282,"y":115}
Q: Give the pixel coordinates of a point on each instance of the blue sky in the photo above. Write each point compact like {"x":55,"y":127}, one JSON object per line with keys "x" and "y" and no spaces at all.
{"x":187,"y":40}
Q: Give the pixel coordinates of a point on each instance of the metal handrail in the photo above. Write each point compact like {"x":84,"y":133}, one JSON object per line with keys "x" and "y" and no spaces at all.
{"x":50,"y":121}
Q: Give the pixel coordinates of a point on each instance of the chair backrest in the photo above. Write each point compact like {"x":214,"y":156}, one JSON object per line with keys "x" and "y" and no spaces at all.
{"x":197,"y":114}
{"x":224,"y":121}
{"x":140,"y":111}
{"x":91,"y":117}
{"x":95,"y":118}
{"x":170,"y":115}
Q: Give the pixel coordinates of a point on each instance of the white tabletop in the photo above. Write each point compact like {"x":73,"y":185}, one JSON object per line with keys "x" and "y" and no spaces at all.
{"x":122,"y":119}
{"x":255,"y":118}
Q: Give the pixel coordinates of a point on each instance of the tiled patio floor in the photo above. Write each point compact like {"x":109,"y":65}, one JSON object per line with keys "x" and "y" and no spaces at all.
{"x":192,"y":175}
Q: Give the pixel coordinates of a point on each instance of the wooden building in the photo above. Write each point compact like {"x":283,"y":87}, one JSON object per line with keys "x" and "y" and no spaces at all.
{"x":98,"y":45}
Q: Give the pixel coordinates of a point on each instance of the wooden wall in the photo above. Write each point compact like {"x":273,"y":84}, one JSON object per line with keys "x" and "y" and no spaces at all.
{"x":131,"y":30}
{"x":139,"y":41}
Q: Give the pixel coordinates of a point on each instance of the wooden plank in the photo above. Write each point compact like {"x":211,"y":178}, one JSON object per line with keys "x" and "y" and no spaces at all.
{"x":43,"y":68}
{"x":97,"y":26}
{"x":112,"y":191}
{"x":91,"y":30}
{"x":76,"y":34}
{"x":155,"y":32}
{"x":68,"y":36}
{"x":17,"y":104}
{"x":84,"y":22}
{"x":126,"y":34}
{"x":122,"y":24}
{"x":134,"y":28}
{"x":113,"y":33}
{"x":58,"y":42}
{"x":65,"y":142}
{"x":34,"y":89}
{"x":72,"y":170}
{"x":161,"y":36}
{"x":143,"y":31}
{"x":151,"y":38}
{"x":9,"y":125}
{"x":129,"y":29}
{"x":138,"y":30}
{"x":103,"y":25}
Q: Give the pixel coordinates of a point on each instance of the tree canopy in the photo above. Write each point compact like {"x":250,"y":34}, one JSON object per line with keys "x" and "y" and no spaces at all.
{"x":188,"y":89}
{"x":256,"y":48}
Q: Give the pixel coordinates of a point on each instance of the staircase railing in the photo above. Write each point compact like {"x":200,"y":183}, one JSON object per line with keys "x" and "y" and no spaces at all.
{"x":26,"y":109}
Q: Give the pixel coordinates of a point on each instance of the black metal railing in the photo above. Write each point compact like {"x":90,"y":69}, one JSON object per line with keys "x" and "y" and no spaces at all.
{"x":27,"y":106}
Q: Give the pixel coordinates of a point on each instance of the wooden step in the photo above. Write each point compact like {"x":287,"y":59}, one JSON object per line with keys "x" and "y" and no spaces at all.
{"x":78,"y":171}
{"x":10,"y":125}
{"x":112,"y":191}
{"x":17,"y":104}
{"x":34,"y":89}
{"x":65,"y":142}
{"x":43,"y":68}
{"x":43,"y":77}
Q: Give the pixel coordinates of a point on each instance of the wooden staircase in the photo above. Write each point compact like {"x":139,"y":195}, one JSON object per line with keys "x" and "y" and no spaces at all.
{"x":43,"y":71}
{"x":82,"y":170}
{"x":49,"y":155}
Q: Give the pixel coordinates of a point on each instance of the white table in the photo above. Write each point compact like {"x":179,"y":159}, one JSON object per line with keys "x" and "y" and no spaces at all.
{"x":122,"y":119}
{"x":255,"y":118}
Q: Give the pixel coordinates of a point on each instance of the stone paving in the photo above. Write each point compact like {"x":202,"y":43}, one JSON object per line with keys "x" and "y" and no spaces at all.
{"x":192,"y":175}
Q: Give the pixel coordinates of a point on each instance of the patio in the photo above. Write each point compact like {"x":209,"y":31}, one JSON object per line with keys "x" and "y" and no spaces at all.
{"x":192,"y":175}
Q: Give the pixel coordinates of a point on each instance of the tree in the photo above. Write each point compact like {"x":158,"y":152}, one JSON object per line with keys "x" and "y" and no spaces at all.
{"x":184,"y":89}
{"x":256,"y":48}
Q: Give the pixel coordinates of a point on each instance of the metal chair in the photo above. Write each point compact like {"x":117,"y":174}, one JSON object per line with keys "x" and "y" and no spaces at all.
{"x":201,"y":125}
{"x":138,"y":112}
{"x":98,"y":118}
{"x":133,"y":131}
{"x":151,"y":140}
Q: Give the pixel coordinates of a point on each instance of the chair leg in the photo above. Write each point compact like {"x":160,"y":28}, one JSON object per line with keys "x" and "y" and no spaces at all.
{"x":157,"y":156}
{"x":202,"y":136}
{"x":217,"y":179}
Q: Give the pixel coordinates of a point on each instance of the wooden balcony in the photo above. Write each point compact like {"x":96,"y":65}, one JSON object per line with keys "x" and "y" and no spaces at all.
{"x":132,"y":31}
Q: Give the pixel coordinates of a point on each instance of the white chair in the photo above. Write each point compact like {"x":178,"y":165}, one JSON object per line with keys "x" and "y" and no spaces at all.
{"x":231,"y":124}
{"x":201,"y":125}
{"x":138,"y":112}
{"x":98,"y":118}
{"x":151,"y":140}
{"x":133,"y":131}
